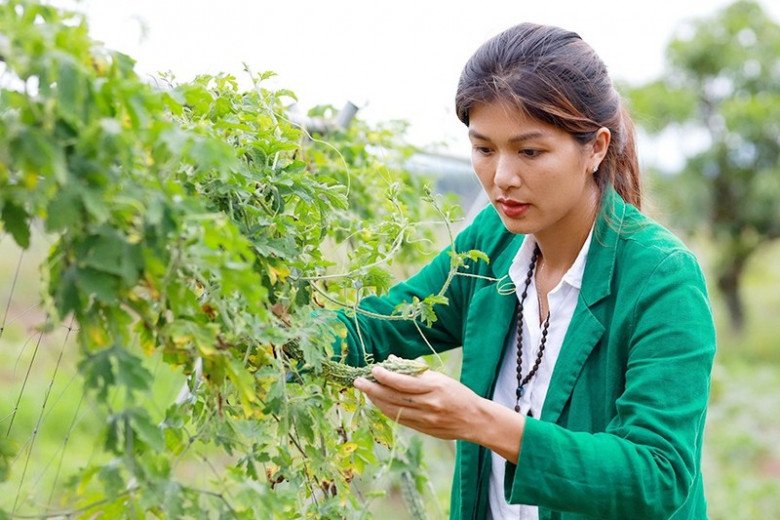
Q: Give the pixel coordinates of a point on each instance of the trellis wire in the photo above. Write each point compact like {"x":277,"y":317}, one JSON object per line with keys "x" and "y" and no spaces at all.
{"x":31,"y":442}
{"x":73,"y":422}
{"x":24,"y":383}
{"x":11,"y":295}
{"x":39,"y":422}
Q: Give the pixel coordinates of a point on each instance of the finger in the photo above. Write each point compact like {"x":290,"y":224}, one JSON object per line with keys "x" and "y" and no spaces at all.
{"x":400,"y":414}
{"x":376,"y":391}
{"x":402,"y":382}
{"x":417,"y":419}
{"x":414,"y":419}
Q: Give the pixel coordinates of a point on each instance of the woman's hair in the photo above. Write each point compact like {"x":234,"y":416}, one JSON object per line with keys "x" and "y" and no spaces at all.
{"x":557,"y":78}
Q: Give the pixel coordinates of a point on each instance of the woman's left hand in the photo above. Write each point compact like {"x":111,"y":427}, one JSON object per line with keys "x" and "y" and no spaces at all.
{"x":431,"y":403}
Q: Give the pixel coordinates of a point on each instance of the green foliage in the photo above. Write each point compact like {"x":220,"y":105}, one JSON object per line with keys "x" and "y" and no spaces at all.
{"x":659,"y":104}
{"x":722,"y":79}
{"x":6,"y":453}
{"x":191,"y":220}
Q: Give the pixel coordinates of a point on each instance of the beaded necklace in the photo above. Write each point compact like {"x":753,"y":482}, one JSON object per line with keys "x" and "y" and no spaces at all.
{"x":523,"y":381}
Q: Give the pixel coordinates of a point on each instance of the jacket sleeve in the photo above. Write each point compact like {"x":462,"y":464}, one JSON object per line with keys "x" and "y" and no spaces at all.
{"x":645,"y":463}
{"x":381,"y":337}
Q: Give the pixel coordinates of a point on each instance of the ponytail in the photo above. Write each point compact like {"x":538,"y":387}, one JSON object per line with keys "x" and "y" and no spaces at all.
{"x":620,"y":167}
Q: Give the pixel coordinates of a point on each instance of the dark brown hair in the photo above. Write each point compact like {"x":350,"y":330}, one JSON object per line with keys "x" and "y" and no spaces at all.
{"x":557,"y":78}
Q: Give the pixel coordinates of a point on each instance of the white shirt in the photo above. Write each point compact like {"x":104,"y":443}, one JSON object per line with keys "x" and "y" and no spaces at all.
{"x":561,"y":301}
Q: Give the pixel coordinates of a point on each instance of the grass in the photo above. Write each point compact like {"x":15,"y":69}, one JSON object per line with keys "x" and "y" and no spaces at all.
{"x":741,"y":460}
{"x":742,"y":457}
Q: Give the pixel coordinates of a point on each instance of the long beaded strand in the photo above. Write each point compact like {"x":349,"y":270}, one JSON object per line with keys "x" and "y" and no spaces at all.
{"x":523,"y":381}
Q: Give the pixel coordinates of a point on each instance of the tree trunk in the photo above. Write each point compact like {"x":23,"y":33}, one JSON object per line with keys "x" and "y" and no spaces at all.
{"x":729,"y":283}
{"x":735,"y":251}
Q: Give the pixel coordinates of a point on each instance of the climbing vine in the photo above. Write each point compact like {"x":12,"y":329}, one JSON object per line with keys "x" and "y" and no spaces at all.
{"x":196,"y":222}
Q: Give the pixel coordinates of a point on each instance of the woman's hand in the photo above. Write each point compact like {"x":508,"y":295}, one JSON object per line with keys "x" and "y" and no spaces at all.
{"x":431,"y":403}
{"x":438,"y":405}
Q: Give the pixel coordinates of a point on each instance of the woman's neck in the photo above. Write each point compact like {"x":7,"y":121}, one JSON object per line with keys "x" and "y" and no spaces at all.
{"x":561,"y":244}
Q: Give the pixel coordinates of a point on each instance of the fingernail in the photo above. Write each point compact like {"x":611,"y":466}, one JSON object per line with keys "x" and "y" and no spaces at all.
{"x":358,"y":383}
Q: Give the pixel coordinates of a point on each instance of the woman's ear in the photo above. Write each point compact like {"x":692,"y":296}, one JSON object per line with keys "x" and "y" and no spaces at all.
{"x":600,"y":145}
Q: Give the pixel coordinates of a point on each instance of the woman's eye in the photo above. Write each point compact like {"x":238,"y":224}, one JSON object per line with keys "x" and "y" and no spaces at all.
{"x":482,"y":150}
{"x":530,"y":152}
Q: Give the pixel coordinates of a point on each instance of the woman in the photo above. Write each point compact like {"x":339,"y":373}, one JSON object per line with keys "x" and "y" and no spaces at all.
{"x":583,"y":392}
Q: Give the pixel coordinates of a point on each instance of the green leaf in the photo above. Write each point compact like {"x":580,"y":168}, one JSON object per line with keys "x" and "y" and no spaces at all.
{"x":108,"y":367}
{"x":427,"y":315}
{"x":36,"y":153}
{"x":108,"y":252}
{"x":378,"y":278}
{"x":100,"y":285}
{"x":65,"y":209}
{"x":173,"y":500}
{"x":130,"y":371}
{"x":435,"y":299}
{"x":66,"y":292}
{"x":111,"y":477}
{"x":98,"y":372}
{"x":244,"y":384}
{"x":210,"y":154}
{"x":16,"y":222}
{"x":149,"y":433}
{"x":477,"y":255}
{"x":95,"y":205}
{"x":182,"y":300}
{"x":71,"y":91}
{"x":198,"y":98}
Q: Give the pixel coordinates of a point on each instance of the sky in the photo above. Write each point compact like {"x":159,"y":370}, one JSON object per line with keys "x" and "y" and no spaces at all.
{"x":397,"y":59}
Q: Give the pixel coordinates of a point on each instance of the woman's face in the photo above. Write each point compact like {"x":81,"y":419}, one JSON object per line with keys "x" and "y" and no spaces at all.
{"x":539,"y":178}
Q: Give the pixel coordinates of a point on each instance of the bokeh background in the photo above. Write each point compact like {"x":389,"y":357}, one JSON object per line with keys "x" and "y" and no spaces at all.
{"x":702,"y":79}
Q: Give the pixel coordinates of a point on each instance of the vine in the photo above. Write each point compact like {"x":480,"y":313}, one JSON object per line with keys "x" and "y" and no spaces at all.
{"x":195,"y":222}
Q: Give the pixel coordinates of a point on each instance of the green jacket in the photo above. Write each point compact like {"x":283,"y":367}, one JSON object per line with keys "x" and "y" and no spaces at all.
{"x":620,"y":434}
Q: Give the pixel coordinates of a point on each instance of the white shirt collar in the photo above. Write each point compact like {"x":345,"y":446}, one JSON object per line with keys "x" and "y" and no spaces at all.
{"x":519,"y":268}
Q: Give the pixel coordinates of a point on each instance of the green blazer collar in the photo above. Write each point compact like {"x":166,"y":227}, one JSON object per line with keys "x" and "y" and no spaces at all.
{"x":503,"y":260}
{"x":597,"y":279}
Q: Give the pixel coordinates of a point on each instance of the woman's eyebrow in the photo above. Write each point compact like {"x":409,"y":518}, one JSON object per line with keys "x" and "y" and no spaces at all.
{"x":514,"y":139}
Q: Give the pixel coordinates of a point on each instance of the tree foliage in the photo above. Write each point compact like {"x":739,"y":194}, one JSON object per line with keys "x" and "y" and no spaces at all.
{"x":723,"y":78}
{"x":191,"y":220}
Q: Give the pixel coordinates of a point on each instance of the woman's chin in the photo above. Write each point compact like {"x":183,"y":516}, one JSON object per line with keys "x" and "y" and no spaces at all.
{"x":517,"y":226}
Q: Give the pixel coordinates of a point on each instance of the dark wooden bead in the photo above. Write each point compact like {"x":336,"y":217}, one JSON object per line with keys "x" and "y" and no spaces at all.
{"x":522,"y":381}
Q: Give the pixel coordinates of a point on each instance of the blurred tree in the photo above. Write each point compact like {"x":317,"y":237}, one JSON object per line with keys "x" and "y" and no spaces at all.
{"x":723,"y":79}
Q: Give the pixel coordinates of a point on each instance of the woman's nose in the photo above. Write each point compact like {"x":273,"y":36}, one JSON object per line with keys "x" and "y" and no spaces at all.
{"x":506,"y":176}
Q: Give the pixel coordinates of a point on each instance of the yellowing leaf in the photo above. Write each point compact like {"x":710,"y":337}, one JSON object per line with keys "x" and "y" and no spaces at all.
{"x":245,"y":385}
{"x":96,"y":335}
{"x":278,"y":273}
{"x":347,"y":448}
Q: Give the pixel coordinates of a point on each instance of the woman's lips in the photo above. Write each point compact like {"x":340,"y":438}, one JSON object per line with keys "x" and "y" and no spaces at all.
{"x":511,"y":208}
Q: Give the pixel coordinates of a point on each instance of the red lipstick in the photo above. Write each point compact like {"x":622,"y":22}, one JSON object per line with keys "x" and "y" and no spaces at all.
{"x":512,"y":208}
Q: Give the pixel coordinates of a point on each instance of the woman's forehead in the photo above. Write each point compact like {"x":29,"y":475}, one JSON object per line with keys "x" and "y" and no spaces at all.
{"x":505,"y":117}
